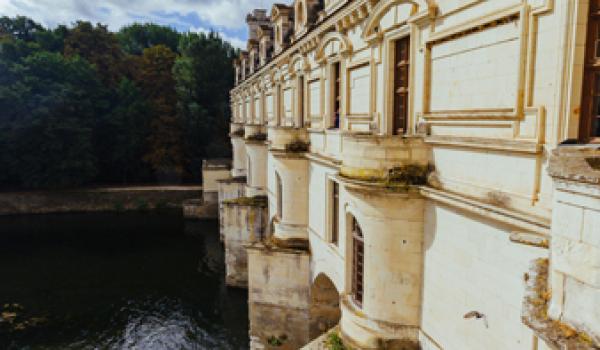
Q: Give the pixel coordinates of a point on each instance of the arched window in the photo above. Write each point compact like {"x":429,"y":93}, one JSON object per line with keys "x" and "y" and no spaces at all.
{"x":358,"y":259}
{"x":279,"y":195}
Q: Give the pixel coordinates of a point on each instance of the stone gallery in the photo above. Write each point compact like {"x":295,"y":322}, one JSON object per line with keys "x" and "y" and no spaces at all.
{"x":417,"y":174}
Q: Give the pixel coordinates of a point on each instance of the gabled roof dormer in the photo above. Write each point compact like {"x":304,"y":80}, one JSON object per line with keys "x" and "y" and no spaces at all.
{"x":254,"y":20}
{"x":282,"y":17}
{"x":244,"y":65}
{"x":265,"y":44}
{"x":238,"y":70}
{"x":252,"y":55}
{"x":306,"y":13}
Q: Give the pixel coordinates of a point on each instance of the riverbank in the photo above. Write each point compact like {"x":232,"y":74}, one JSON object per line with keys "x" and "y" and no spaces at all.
{"x":96,"y":199}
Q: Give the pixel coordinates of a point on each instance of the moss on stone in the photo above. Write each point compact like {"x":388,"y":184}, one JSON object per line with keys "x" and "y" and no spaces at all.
{"x":257,"y":137}
{"x":398,"y":178}
{"x":297,"y":146}
{"x":238,"y":133}
{"x":334,"y":342}
{"x":535,"y":312}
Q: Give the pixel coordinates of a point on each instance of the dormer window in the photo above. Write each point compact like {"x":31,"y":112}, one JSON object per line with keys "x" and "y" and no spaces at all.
{"x":300,"y":15}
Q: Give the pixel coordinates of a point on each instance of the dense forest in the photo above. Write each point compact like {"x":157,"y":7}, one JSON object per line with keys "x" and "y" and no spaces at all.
{"x":80,"y":105}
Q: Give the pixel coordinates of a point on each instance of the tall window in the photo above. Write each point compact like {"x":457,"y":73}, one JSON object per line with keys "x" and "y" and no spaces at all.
{"x":301,"y":102}
{"x":279,"y":195}
{"x":335,"y":209}
{"x":590,"y":104}
{"x":357,"y":262}
{"x":337,"y":98}
{"x":401,"y":69}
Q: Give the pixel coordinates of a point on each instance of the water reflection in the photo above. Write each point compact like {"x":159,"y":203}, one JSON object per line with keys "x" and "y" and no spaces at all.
{"x":116,"y":281}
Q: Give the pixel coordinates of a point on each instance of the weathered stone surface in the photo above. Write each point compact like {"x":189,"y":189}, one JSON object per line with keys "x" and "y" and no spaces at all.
{"x":579,"y":163}
{"x":198,"y":209}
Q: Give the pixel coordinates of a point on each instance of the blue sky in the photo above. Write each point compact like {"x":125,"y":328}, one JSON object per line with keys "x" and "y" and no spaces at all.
{"x":224,"y":16}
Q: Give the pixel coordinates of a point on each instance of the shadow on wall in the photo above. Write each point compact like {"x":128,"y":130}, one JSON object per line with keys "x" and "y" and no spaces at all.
{"x":324,"y":306}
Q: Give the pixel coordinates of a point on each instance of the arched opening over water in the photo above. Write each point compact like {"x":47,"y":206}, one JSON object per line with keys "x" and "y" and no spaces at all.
{"x":325,"y":306}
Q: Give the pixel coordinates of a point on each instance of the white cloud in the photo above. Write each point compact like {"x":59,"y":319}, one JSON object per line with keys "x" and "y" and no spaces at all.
{"x":223,"y":14}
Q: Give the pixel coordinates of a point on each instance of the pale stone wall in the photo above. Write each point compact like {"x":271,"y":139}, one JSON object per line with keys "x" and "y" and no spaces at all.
{"x":575,"y":258}
{"x":493,"y":87}
{"x":257,"y":167}
{"x":239,"y":156}
{"x":278,"y":296}
{"x":243,"y":225}
{"x":229,"y":189}
{"x":212,"y":172}
{"x":470,"y":264}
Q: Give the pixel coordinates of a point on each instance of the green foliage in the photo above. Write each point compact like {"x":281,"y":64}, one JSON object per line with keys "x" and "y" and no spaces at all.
{"x":98,"y":46}
{"x":204,"y":77}
{"x":49,"y":103}
{"x":165,"y":153}
{"x":137,"y":37}
{"x":20,"y":28}
{"x":277,"y":341}
{"x":334,"y":342}
{"x":81,"y":105}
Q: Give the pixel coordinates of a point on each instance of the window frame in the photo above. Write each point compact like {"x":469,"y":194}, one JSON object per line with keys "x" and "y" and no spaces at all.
{"x":400,"y":86}
{"x":590,"y":93}
{"x":335,"y":100}
{"x":334,"y":224}
{"x":358,"y":262}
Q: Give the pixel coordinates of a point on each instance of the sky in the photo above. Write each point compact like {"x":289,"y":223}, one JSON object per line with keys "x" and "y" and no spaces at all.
{"x":224,"y":16}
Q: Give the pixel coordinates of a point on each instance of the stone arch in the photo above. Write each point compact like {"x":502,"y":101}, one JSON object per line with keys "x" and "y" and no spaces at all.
{"x":345,"y":45}
{"x":325,"y":310}
{"x":292,"y":64}
{"x":379,"y":10}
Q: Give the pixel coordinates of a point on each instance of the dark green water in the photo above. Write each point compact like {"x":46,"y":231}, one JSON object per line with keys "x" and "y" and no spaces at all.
{"x":116,"y":281}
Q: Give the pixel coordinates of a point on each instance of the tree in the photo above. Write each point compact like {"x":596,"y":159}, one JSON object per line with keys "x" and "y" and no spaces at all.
{"x":137,"y":37}
{"x":204,"y":78}
{"x":127,"y":130}
{"x":50,"y":103}
{"x":20,"y":28}
{"x":165,"y":153}
{"x":99,"y":47}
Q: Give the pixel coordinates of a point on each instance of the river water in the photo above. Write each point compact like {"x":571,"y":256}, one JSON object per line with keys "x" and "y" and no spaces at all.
{"x":116,"y":281}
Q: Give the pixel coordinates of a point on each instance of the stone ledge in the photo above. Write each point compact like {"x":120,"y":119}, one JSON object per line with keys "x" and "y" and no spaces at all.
{"x":518,"y":146}
{"x":524,"y":221}
{"x":576,"y":163}
{"x":324,"y":160}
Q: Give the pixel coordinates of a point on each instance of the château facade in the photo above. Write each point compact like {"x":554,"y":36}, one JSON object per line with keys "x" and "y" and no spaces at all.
{"x":420,"y":173}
